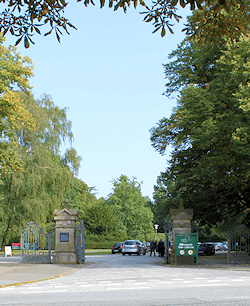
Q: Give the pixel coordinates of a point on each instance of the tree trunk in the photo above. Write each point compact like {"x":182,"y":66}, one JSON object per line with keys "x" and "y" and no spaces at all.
{"x":5,"y":236}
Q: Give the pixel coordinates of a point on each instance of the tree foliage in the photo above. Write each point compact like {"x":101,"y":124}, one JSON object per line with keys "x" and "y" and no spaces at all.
{"x":214,"y":18}
{"x":101,"y":223}
{"x":133,"y":215}
{"x":14,"y":78}
{"x":209,"y":131}
{"x":33,"y":193}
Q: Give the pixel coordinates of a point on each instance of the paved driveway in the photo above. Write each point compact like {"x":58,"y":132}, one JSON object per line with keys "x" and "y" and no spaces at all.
{"x":134,"y":280}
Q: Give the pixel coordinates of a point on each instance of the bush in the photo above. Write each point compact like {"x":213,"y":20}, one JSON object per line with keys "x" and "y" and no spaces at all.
{"x":98,"y":245}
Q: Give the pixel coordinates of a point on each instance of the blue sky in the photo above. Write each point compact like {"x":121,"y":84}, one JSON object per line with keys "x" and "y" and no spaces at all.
{"x":109,"y":74}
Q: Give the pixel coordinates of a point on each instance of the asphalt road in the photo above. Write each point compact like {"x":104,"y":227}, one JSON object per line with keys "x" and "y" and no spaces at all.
{"x":134,"y":280}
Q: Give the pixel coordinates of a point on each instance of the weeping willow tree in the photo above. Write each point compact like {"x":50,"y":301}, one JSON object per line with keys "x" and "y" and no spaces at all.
{"x":32,"y":194}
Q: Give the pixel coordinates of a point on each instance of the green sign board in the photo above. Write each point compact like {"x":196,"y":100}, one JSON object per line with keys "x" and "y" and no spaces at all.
{"x":186,"y":245}
{"x":29,"y":246}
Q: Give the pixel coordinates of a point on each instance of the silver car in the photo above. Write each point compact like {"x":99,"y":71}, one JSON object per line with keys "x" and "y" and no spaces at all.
{"x":133,"y":247}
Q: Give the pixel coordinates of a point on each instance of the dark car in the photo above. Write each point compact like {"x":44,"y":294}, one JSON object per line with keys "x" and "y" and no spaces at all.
{"x":117,"y":247}
{"x":206,"y":249}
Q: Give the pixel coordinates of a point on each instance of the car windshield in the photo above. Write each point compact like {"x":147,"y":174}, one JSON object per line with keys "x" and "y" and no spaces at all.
{"x":130,"y":242}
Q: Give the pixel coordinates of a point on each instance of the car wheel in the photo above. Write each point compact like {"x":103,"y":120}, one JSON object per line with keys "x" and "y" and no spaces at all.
{"x":129,"y":254}
{"x":113,"y":252}
{"x":123,"y":254}
{"x":144,"y":253}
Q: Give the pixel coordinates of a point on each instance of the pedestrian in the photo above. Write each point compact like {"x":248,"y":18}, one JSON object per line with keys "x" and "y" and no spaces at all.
{"x":161,"y":248}
{"x":152,"y":247}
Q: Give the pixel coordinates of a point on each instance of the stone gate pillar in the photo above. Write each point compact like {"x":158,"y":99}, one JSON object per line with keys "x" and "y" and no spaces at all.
{"x":181,"y":220}
{"x":65,"y":244}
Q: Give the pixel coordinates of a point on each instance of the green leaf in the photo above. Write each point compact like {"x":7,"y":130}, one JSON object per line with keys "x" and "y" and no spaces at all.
{"x":18,"y":41}
{"x":26,"y":42}
{"x":163,"y":32}
{"x":182,"y":3}
{"x":157,"y":29}
{"x":102,"y":2}
{"x":37,"y":30}
{"x":58,"y":37}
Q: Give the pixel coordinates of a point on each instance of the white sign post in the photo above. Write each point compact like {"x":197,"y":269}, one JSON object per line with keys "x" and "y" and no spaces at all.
{"x":8,"y":251}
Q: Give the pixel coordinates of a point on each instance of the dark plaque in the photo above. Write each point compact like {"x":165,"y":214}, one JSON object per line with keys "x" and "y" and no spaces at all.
{"x":64,"y":237}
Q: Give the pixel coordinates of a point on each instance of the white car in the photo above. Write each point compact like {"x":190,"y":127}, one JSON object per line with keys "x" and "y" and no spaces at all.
{"x":219,"y":246}
{"x":133,"y":247}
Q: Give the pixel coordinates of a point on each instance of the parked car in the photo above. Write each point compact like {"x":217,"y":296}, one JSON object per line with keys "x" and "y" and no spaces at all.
{"x":219,"y":246}
{"x":206,"y":249}
{"x":117,"y":247}
{"x":145,"y":248}
{"x":225,"y":243}
{"x":133,"y":247}
{"x":148,"y":246}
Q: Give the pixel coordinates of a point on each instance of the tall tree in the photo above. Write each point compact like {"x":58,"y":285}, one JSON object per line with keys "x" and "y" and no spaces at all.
{"x":133,"y":215}
{"x":14,"y":78}
{"x":214,"y":18}
{"x":209,"y":132}
{"x":34,"y":193}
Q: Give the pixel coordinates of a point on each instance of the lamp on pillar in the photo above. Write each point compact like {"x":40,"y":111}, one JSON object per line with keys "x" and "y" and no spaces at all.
{"x":156,"y":228}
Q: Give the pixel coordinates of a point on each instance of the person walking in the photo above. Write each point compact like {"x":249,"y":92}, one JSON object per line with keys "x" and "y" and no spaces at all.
{"x":161,"y":248}
{"x":152,"y":247}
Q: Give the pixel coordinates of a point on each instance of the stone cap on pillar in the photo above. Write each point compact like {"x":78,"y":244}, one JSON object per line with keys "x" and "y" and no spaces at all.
{"x":181,"y":214}
{"x":66,"y":214}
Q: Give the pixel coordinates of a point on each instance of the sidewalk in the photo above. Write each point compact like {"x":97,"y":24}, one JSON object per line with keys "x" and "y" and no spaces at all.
{"x":218,"y":262}
{"x":17,"y":273}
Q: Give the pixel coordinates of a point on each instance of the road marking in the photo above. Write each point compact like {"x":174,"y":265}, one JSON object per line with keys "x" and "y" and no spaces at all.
{"x":200,"y":278}
{"x":87,"y":286}
{"x":214,"y":280}
{"x":240,"y":297}
{"x":105,"y":282}
{"x":52,"y":291}
{"x":134,"y":288}
{"x":63,"y":286}
{"x":206,"y":285}
{"x":186,"y":282}
{"x":237,"y":280}
{"x":80,"y":283}
{"x":173,"y":274}
{"x":130,"y":281}
{"x":177,"y":279}
{"x":165,"y":282}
